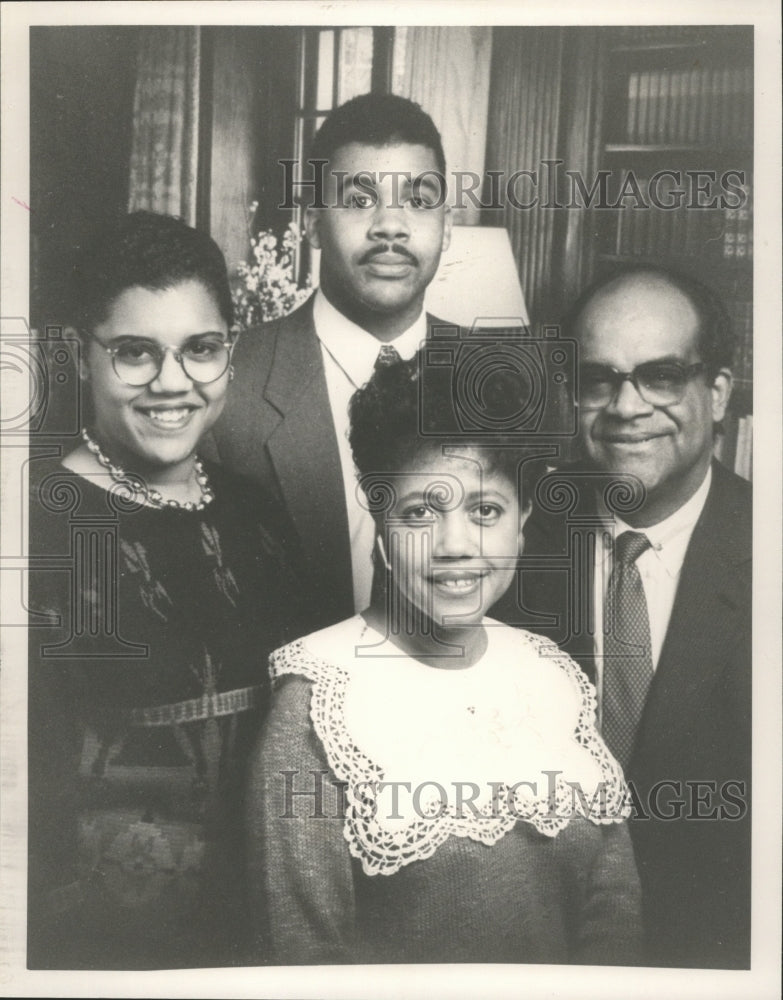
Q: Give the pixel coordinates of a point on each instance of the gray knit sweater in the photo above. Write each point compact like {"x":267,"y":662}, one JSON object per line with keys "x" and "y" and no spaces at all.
{"x":532,"y":898}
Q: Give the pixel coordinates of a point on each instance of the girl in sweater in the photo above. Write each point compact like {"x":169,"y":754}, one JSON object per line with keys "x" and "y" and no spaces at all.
{"x":430,"y":786}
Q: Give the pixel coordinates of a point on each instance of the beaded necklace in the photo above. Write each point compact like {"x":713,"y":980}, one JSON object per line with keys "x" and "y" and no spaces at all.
{"x":153,"y":498}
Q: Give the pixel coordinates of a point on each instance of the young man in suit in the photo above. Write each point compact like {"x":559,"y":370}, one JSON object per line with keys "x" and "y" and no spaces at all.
{"x":655,"y":601}
{"x":381,"y":222}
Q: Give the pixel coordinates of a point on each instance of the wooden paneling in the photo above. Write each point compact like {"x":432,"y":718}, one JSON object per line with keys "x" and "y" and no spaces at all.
{"x":582,"y":113}
{"x":253,"y":93}
{"x":233,"y":163}
{"x":447,"y":71}
{"x":523,"y":133}
{"x":81,"y":101}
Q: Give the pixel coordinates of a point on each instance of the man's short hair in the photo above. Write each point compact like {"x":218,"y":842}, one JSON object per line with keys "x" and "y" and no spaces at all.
{"x":146,"y":250}
{"x":716,"y":343}
{"x":377,"y":120}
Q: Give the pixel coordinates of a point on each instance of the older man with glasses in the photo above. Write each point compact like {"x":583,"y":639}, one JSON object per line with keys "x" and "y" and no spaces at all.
{"x":646,"y":579}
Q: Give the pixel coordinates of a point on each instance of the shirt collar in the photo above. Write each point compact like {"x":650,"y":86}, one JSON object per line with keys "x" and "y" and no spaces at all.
{"x":354,"y":349}
{"x":669,"y":538}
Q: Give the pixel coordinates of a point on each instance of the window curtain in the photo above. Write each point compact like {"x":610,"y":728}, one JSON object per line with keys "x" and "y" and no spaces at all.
{"x":523,"y":130}
{"x":164,"y":153}
{"x":447,"y":71}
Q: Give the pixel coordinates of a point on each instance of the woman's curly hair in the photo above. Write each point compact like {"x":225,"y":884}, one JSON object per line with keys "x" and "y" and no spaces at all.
{"x":393,"y":427}
{"x":147,"y":250}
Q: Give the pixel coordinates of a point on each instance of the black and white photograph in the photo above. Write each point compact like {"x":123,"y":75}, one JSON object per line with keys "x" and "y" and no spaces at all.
{"x":386,"y":610}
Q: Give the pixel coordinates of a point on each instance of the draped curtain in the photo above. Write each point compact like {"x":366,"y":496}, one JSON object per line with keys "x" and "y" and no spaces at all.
{"x":447,"y":71}
{"x":164,"y":153}
{"x":523,"y":131}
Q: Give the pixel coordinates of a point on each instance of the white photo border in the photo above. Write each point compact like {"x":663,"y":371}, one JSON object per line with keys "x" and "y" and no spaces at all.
{"x":433,"y":981}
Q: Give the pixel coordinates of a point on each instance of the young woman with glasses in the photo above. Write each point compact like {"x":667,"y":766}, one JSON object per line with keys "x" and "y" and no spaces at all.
{"x":161,"y":591}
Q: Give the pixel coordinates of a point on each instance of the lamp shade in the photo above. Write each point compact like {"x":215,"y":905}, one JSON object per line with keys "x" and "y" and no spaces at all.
{"x":477,"y":282}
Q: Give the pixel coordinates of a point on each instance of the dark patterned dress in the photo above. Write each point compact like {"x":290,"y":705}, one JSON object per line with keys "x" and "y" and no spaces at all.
{"x":150,"y":632}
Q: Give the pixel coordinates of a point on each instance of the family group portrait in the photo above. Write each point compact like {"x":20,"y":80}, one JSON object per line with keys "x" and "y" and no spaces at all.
{"x":388,"y":497}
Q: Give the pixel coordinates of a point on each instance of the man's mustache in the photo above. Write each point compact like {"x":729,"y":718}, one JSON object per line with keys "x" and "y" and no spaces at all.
{"x":395,"y":248}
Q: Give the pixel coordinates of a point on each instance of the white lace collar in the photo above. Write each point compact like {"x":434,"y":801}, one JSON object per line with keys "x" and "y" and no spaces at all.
{"x":428,"y":753}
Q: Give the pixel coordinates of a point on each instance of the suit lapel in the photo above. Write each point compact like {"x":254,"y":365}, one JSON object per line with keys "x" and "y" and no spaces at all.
{"x":702,"y":623}
{"x":303,"y":452}
{"x":296,"y":362}
{"x":303,"y":447}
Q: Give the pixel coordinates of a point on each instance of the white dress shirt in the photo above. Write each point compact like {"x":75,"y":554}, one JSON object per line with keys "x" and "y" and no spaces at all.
{"x":349,"y":355}
{"x":659,"y":567}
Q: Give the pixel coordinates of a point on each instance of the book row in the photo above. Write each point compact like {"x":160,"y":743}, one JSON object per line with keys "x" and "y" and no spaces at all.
{"x":666,"y":34}
{"x":741,"y":315}
{"x":734,"y":448}
{"x":738,"y":230}
{"x":704,"y":107}
{"x":654,"y":231}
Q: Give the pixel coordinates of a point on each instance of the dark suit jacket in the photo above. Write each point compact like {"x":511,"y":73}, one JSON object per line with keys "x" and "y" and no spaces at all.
{"x":696,"y":725}
{"x":277,"y":428}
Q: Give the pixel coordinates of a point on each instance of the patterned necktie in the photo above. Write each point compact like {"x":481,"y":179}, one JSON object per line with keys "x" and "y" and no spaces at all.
{"x":387,"y":355}
{"x":627,"y":656}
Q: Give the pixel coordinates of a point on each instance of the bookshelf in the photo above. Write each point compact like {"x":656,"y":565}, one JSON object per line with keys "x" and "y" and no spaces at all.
{"x":676,"y":143}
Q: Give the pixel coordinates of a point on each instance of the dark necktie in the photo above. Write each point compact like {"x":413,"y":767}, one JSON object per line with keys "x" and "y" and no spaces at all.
{"x":627,"y":655}
{"x":387,"y":355}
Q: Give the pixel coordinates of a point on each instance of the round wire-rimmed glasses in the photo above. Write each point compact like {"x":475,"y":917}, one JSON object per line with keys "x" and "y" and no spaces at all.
{"x":138,"y":361}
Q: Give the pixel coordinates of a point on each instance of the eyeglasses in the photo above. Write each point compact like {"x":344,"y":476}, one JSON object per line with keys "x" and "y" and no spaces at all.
{"x":659,"y":383}
{"x":138,"y":362}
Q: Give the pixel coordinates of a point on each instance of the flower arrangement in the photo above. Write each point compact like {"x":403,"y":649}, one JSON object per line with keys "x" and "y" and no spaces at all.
{"x":266,"y":288}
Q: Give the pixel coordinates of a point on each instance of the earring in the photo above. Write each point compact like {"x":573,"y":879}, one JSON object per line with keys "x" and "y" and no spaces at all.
{"x":230,"y":373}
{"x":382,"y":552}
